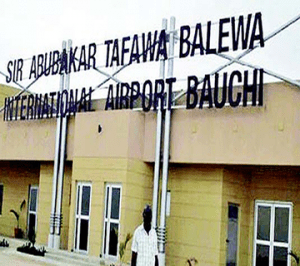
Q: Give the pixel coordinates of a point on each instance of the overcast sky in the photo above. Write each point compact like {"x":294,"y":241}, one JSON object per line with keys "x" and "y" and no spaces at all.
{"x":33,"y":27}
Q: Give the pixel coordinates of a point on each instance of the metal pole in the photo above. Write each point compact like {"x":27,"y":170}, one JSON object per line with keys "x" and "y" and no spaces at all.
{"x":158,"y":145}
{"x":56,"y":168}
{"x":269,"y":72}
{"x":233,"y":60}
{"x":23,"y":89}
{"x":162,"y":228}
{"x":60,"y":181}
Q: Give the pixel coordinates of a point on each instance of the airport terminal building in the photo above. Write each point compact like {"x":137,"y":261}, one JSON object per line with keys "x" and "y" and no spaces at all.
{"x":233,"y":184}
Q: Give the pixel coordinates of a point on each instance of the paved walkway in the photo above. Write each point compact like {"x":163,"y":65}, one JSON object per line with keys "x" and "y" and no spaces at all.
{"x":18,"y":259}
{"x":10,"y":256}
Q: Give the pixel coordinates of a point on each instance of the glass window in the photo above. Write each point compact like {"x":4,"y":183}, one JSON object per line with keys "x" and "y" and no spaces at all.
{"x":1,"y":197}
{"x":107,"y":200}
{"x":113,"y":239}
{"x":262,"y":255}
{"x":105,"y":229}
{"x":33,"y":198}
{"x":281,"y":225}
{"x":111,"y":220}
{"x":32,"y":209}
{"x":78,"y":196}
{"x":85,"y":202}
{"x":31,"y":225}
{"x":263,"y":223}
{"x":280,"y":256}
{"x":84,"y":232}
{"x":82,"y":217}
{"x":273,"y":238}
{"x":115,"y":203}
{"x":76,"y":231}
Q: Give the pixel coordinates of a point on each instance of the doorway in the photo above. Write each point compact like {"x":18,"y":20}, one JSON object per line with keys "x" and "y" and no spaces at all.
{"x":112,"y":220}
{"x":232,"y":234}
{"x":82,"y":216}
{"x":32,"y":209}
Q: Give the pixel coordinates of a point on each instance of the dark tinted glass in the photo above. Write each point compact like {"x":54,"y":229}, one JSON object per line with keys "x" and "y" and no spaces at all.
{"x":263,"y":223}
{"x":115,"y":203}
{"x":84,"y":229}
{"x":85,"y":202}
{"x":33,"y":198}
{"x":76,"y":232}
{"x":280,"y":256}
{"x":105,"y":232}
{"x":113,"y":239}
{"x":31,"y":227}
{"x":78,"y":193}
{"x":262,"y":255}
{"x":281,"y":233}
{"x":233,"y":211}
{"x":107,"y":199}
{"x":1,"y":198}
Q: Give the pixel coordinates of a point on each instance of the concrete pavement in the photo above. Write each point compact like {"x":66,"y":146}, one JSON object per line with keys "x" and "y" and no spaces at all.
{"x":10,"y":256}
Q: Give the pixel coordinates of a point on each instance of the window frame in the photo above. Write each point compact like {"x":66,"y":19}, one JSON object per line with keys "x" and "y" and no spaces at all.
{"x":108,"y":220}
{"x":272,"y":243}
{"x":32,"y":187}
{"x":79,"y":216}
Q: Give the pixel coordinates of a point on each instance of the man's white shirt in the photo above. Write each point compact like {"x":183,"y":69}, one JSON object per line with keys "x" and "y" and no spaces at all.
{"x":145,"y":246}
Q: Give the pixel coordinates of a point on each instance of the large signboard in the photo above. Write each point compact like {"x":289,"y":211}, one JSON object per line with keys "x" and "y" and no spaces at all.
{"x":232,"y":34}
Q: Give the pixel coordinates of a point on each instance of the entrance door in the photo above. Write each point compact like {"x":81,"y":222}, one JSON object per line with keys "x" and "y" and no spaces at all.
{"x":82,"y":217}
{"x":273,"y":233}
{"x":32,"y":209}
{"x":232,"y":235}
{"x":112,"y":220}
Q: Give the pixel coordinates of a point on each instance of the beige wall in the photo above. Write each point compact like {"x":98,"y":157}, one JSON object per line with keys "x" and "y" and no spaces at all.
{"x":45,"y":199}
{"x":194,"y":225}
{"x":243,"y":135}
{"x":137,"y":192}
{"x":16,"y":178}
{"x":244,"y":185}
{"x":122,"y":134}
{"x":202,"y":143}
{"x":32,"y":140}
{"x":235,"y":189}
{"x":278,"y":184}
{"x":265,"y":135}
{"x":112,"y":156}
{"x":200,"y":194}
{"x":197,"y":225}
{"x":136,"y":181}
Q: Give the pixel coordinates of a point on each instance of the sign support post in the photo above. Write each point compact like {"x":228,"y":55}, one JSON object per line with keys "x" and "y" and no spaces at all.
{"x":166,"y":153}
{"x":158,"y":144}
{"x":62,"y":161}
{"x":60,"y":151}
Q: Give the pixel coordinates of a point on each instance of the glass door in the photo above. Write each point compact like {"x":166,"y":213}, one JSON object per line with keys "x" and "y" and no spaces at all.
{"x":82,"y":216}
{"x":32,"y":209}
{"x":273,"y":234}
{"x":232,"y":235}
{"x":112,"y":220}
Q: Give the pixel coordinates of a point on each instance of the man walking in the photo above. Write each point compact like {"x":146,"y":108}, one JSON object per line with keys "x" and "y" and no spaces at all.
{"x":144,"y":243}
